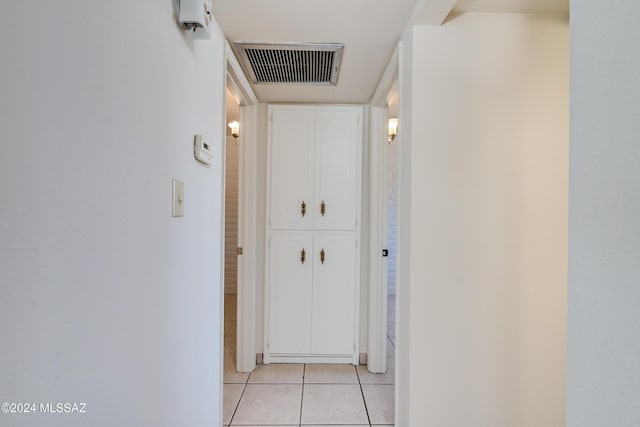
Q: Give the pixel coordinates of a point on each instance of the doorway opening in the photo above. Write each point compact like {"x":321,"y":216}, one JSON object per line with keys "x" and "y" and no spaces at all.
{"x":385,"y":289}
{"x":241,"y":244}
{"x":391,"y":199}
{"x":231,"y":231}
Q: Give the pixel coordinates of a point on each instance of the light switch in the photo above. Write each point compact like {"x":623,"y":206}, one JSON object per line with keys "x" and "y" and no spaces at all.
{"x":178,"y":198}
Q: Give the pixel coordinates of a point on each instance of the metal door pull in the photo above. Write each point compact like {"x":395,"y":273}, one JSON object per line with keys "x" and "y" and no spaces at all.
{"x":322,"y":256}
{"x":303,"y":256}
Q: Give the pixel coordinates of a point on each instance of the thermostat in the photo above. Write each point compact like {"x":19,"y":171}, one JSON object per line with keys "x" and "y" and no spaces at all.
{"x":202,"y":150}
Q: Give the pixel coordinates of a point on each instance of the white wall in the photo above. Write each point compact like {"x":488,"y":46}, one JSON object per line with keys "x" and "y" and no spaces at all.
{"x":392,"y":159}
{"x":403,"y":396}
{"x":391,"y":177}
{"x":365,"y":241}
{"x":105,"y":298}
{"x":261,"y":226}
{"x":231,"y":217}
{"x":231,"y":199}
{"x":603,"y":374}
{"x":486,"y":222}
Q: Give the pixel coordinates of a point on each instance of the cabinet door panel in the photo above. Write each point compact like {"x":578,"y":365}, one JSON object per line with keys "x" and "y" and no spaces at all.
{"x":290,"y":293}
{"x":335,"y":169}
{"x":333,"y":294}
{"x":292,"y":173}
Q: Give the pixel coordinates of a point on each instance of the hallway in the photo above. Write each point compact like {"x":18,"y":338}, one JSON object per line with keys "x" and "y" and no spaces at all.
{"x":304,"y":394}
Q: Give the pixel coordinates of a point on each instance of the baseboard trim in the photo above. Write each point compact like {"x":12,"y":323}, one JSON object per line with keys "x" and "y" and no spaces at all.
{"x":362,"y":359}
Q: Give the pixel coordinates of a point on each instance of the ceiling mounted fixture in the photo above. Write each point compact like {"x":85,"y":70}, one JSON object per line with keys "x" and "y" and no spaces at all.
{"x":291,"y":63}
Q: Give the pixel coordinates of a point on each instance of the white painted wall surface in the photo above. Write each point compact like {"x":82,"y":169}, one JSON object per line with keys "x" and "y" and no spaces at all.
{"x":104,"y":297}
{"x":603,"y":374}
{"x":391,"y":177}
{"x":231,"y":201}
{"x":403,"y":398}
{"x":365,"y":221}
{"x":488,"y":222}
{"x":231,"y":217}
{"x":261,"y":226}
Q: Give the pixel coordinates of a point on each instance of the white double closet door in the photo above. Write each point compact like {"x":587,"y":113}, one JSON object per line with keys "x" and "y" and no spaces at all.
{"x":312,"y":293}
{"x":314,"y":176}
{"x":313,"y":198}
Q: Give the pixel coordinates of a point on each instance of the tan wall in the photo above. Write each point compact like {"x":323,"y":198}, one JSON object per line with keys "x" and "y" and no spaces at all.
{"x":488,"y":221}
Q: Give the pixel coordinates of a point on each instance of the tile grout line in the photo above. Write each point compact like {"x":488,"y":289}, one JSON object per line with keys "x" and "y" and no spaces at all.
{"x":362,"y":393}
{"x":244,"y":388}
{"x":233,"y":317}
{"x":304,"y":374}
{"x":296,"y":383}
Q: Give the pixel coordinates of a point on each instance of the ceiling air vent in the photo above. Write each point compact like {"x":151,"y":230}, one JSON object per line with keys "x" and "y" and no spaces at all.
{"x":292,"y":63}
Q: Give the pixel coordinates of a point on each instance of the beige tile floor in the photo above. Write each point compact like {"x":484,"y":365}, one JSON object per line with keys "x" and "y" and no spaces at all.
{"x":310,"y":395}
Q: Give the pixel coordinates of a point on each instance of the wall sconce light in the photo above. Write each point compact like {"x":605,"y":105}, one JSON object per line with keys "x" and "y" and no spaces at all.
{"x":393,"y":128}
{"x":235,"y":130}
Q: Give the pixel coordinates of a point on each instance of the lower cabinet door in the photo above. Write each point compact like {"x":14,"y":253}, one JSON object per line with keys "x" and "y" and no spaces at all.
{"x":290,"y":293}
{"x":333,"y":301}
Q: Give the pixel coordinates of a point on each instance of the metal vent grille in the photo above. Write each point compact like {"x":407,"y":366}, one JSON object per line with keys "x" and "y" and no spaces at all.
{"x":291,"y":63}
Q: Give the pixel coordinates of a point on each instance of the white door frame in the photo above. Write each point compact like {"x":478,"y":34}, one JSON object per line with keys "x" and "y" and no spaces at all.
{"x":377,"y":340}
{"x":241,"y":89}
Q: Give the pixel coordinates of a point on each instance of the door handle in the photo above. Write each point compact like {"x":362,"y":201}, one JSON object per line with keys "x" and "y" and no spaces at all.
{"x":303,"y":208}
{"x":322,"y":256}
{"x":303,"y":256}
{"x":323,"y":207}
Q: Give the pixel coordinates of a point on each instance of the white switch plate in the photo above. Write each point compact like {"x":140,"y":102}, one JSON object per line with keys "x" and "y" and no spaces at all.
{"x":178,"y":198}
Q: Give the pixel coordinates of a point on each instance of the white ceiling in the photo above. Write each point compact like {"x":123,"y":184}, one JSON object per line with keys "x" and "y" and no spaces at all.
{"x":369,"y":29}
{"x":549,"y":7}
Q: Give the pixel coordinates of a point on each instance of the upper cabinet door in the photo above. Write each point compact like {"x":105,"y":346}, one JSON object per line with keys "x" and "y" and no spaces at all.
{"x":336,"y":149}
{"x":292,"y":169}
